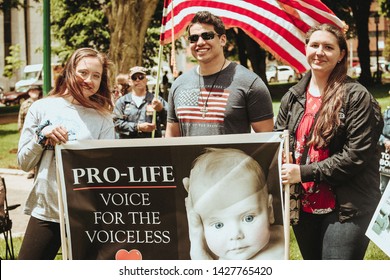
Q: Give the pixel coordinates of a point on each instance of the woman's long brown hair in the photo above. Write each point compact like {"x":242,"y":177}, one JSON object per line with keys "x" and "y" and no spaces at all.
{"x":67,"y":80}
{"x":332,"y":98}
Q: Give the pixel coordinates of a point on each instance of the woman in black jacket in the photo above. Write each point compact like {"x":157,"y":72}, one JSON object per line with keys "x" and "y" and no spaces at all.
{"x":334,"y":125}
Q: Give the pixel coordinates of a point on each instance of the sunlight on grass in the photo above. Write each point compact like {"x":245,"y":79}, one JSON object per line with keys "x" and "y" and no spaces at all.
{"x":9,"y":136}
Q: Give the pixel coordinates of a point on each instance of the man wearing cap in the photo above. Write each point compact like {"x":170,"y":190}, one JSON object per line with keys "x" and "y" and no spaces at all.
{"x":133,"y":112}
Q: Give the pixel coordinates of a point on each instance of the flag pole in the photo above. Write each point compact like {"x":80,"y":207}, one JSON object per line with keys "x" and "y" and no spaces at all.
{"x":173,"y":51}
{"x":46,"y":48}
{"x":160,"y":53}
{"x":286,"y":222}
{"x":157,"y":88}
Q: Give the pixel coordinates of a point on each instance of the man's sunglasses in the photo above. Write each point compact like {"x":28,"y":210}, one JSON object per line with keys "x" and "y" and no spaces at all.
{"x":139,"y":77}
{"x":205,"y":36}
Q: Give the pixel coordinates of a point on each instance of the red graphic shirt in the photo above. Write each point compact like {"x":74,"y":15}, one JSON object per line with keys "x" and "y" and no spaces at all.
{"x":318,"y":198}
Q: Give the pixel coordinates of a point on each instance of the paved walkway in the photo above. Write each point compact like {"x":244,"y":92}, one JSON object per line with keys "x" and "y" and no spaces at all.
{"x":18,"y":188}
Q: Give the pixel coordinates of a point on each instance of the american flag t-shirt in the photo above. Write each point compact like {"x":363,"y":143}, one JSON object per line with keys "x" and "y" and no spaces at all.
{"x":204,"y":106}
{"x":238,"y":98}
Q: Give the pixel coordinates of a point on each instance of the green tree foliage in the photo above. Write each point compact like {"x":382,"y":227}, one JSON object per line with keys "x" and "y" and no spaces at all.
{"x":77,"y":24}
{"x":343,"y":11}
{"x":114,"y":27}
{"x":13,"y":61}
{"x":384,"y":7}
{"x":9,"y":4}
{"x":152,"y":41}
{"x":129,"y":30}
{"x":386,"y":50}
{"x":152,"y":46}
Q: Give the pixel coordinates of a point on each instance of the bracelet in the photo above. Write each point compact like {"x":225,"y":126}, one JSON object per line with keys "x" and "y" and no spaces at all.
{"x":41,"y":139}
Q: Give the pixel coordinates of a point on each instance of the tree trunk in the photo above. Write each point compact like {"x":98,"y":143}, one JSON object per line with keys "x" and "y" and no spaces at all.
{"x":128,"y":21}
{"x":361,"y":13}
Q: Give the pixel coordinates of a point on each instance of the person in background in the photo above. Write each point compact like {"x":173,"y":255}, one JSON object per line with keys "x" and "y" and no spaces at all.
{"x":334,"y":124}
{"x":384,"y":142}
{"x":121,"y":86}
{"x":218,"y":96}
{"x":79,"y":107}
{"x":165,"y":83}
{"x":133,"y":113}
{"x":35,"y":92}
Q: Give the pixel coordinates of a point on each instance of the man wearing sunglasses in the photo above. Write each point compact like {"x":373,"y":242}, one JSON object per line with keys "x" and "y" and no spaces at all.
{"x":133,"y":112}
{"x":217,"y":96}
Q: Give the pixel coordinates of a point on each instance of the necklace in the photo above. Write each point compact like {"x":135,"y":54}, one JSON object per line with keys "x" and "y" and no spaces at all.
{"x":204,"y":110}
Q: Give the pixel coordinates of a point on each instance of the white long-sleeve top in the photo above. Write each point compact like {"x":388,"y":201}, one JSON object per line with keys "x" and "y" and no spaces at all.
{"x":82,"y":124}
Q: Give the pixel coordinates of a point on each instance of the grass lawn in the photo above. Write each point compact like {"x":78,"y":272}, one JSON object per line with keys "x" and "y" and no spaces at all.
{"x":9,"y":137}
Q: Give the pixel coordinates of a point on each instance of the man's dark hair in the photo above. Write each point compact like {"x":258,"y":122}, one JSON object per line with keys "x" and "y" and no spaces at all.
{"x":206,"y":17}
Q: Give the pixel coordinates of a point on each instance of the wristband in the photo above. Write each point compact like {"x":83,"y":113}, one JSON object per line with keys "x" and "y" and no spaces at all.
{"x":41,"y":139}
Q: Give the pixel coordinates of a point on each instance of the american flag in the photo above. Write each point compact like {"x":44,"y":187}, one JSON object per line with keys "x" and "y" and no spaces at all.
{"x":208,"y":106}
{"x":279,"y":26}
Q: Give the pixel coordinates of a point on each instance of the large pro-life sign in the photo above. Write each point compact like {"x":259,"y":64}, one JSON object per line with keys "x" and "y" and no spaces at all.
{"x":125,"y":199}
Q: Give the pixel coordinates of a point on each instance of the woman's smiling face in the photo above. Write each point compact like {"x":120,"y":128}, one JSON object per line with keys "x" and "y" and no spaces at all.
{"x":323,"y":51}
{"x":89,"y":72}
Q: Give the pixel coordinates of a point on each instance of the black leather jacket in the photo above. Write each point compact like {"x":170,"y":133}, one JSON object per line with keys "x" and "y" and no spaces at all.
{"x":353,"y":165}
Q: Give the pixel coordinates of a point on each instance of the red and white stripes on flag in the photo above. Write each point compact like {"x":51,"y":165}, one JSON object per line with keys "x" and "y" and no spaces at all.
{"x":279,"y":26}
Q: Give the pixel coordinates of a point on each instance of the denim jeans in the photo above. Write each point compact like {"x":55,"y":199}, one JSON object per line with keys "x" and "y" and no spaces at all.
{"x":323,"y":237}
